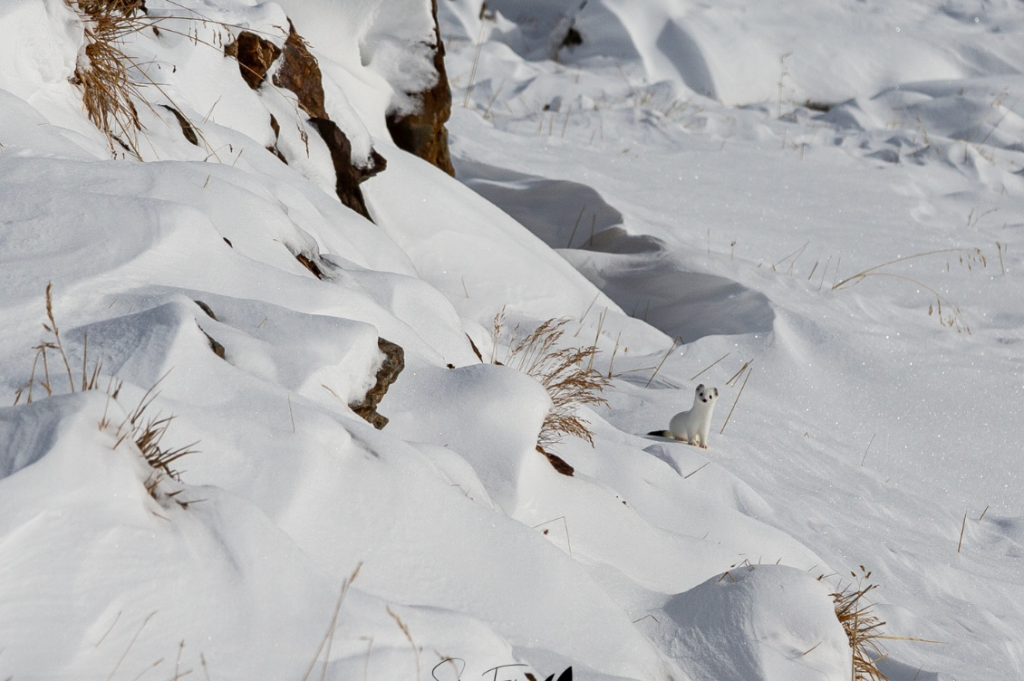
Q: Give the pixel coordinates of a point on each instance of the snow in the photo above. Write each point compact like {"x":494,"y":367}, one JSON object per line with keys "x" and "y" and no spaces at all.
{"x":33,"y":59}
{"x":758,"y":621}
{"x":672,"y":188}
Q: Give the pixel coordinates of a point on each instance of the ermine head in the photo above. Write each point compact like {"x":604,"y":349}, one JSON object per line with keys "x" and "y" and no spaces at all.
{"x":706,"y":395}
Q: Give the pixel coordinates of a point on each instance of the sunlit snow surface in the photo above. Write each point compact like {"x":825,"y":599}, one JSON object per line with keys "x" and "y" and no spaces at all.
{"x":667,"y":170}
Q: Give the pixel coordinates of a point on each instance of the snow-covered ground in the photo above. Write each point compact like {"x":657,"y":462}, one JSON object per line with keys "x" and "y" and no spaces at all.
{"x":791,"y":189}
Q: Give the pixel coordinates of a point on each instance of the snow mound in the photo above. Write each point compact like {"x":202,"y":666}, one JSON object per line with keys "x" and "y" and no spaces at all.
{"x":741,"y":54}
{"x":758,"y":623}
{"x":174,"y":568}
{"x":489,"y":414}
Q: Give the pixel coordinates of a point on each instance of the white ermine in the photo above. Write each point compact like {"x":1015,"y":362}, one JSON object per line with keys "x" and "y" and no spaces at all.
{"x":693,"y":426}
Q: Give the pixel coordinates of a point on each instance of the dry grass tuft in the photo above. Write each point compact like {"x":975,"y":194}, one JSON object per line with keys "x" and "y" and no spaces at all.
{"x":105,"y":72}
{"x":89,"y":379}
{"x":146,"y":432}
{"x":952,"y":316}
{"x":862,"y":626}
{"x":408,"y":637}
{"x":113,"y":82}
{"x":327,"y":641}
{"x":565,"y":372}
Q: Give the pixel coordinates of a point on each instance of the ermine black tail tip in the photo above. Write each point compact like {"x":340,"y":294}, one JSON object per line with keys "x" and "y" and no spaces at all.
{"x":660,"y":433}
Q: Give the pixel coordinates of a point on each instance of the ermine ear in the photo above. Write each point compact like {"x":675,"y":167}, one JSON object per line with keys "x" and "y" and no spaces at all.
{"x":700,"y":388}
{"x":715,"y":390}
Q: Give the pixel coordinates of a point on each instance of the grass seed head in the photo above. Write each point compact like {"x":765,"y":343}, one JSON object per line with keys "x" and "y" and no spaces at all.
{"x":565,"y":372}
{"x":862,"y":626}
{"x":105,"y":72}
{"x":146,"y":431}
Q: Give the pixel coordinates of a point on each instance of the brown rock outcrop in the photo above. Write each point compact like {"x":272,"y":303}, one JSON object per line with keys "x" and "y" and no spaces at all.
{"x":300,"y":73}
{"x":310,"y":264}
{"x":557,"y":462}
{"x":347,"y":175}
{"x":254,"y":56}
{"x":423,"y":133}
{"x":186,"y":127}
{"x":394,"y":362}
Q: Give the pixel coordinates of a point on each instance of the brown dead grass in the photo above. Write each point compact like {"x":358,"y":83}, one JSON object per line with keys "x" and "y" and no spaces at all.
{"x":565,"y":372}
{"x":113,"y":82}
{"x":862,"y":626}
{"x":106,"y":72}
{"x":147,"y":431}
{"x":952,"y":317}
{"x":89,"y":379}
{"x":141,"y":427}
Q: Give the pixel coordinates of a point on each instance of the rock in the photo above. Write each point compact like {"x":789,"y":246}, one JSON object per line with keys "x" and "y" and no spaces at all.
{"x":217,"y":348}
{"x":300,"y":73}
{"x":476,"y":351}
{"x":573,"y":38}
{"x":394,"y":362}
{"x":347,"y":175}
{"x":310,"y":264}
{"x":207,"y":309}
{"x":254,"y":55}
{"x":423,"y":133}
{"x":186,"y":127}
{"x":276,"y":127}
{"x":557,"y":462}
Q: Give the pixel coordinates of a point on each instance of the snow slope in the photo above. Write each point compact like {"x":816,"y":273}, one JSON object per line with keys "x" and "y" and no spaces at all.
{"x":663,"y":179}
{"x":868,"y":427}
